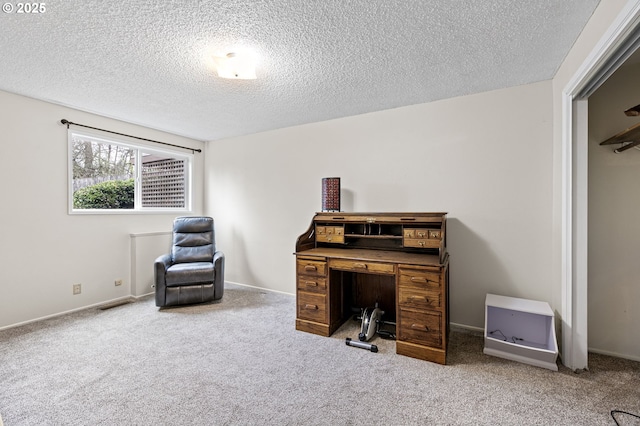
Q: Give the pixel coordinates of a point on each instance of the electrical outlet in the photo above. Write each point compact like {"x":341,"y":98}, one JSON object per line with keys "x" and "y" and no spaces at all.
{"x":77,"y":288}
{"x":118,"y":282}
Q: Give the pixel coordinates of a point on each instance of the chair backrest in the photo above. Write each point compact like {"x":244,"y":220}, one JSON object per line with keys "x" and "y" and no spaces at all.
{"x":193,"y":239}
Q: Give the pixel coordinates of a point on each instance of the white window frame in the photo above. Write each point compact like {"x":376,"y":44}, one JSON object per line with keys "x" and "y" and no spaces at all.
{"x":138,"y":147}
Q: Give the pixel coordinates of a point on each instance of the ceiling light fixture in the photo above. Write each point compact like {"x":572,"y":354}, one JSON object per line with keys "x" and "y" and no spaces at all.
{"x":236,"y":65}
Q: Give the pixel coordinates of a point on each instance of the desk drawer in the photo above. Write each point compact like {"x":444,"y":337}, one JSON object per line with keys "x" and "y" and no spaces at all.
{"x":312,"y":307}
{"x":312,"y":284}
{"x":420,"y":327}
{"x":422,"y":237}
{"x":365,"y":267}
{"x":422,"y":233}
{"x":311,"y":267}
{"x":419,"y":297}
{"x":330,"y":238}
{"x":421,"y":243}
{"x":329,"y":230}
{"x":330,"y":234}
{"x":419,"y":279}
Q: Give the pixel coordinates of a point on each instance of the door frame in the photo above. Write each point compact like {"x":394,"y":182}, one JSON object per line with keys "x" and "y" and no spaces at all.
{"x":574,"y":226}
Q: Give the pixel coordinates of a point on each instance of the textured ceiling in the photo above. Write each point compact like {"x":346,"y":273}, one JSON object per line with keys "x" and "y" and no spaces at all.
{"x":149,"y":62}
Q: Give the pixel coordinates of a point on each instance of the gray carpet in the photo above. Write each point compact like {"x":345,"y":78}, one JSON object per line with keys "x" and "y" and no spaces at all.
{"x":241,"y":362}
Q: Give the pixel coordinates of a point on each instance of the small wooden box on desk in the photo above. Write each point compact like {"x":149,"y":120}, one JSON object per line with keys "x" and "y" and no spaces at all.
{"x":398,"y":260}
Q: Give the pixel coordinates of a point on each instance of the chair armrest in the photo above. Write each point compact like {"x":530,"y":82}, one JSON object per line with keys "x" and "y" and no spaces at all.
{"x":163,"y":262}
{"x":218,"y":284}
{"x":160,"y":267}
{"x":218,"y":257}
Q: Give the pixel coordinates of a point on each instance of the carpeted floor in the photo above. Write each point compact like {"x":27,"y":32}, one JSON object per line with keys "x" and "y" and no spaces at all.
{"x":241,"y":362}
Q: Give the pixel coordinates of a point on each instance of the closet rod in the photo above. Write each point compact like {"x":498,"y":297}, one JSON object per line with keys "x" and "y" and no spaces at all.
{"x":627,"y":146}
{"x":68,"y":123}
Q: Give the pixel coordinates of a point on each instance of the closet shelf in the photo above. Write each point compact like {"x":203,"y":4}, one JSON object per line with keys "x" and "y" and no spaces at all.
{"x":631,"y":135}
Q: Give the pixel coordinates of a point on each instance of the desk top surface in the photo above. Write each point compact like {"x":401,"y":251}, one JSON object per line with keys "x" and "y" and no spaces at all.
{"x":388,"y":256}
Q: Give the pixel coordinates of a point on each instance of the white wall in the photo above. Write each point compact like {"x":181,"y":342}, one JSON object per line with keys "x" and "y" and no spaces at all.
{"x":45,"y":250}
{"x":486,"y":159}
{"x":614,"y":228}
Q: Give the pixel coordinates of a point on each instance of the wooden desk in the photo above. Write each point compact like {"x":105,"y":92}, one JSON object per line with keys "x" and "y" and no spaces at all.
{"x":398,"y":260}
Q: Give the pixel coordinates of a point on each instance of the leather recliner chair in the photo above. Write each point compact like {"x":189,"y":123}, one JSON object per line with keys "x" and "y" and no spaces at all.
{"x":194,"y":271}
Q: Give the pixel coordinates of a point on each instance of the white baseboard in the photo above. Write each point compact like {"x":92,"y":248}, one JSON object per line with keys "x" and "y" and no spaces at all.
{"x":59,"y":314}
{"x":260,"y":288}
{"x":478,"y":330}
{"x":614,"y":354}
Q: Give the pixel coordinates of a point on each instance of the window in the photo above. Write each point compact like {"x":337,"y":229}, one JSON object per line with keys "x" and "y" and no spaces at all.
{"x":108,"y":175}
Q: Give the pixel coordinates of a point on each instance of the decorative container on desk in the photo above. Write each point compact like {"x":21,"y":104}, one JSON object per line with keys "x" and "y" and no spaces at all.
{"x":520,"y":330}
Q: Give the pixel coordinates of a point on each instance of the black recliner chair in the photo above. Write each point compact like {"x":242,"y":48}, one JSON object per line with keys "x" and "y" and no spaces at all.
{"x":194,"y":271}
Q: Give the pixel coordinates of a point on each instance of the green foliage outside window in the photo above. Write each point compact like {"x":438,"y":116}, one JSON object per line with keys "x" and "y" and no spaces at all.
{"x":114,"y":194}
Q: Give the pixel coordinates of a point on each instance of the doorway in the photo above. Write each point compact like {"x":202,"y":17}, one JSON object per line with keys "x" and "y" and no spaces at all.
{"x":614,"y":232}
{"x":616,"y":47}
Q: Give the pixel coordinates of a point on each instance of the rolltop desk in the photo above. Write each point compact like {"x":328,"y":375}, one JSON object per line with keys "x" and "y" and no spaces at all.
{"x":348,"y":261}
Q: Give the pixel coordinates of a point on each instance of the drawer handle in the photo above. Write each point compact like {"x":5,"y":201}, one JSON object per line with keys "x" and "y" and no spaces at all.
{"x":419,"y":327}
{"x":310,"y":268}
{"x":421,"y":243}
{"x":424,"y":299}
{"x":360,"y":265}
{"x":419,"y":280}
{"x":314,"y":307}
{"x":311,"y":283}
{"x":421,"y":234}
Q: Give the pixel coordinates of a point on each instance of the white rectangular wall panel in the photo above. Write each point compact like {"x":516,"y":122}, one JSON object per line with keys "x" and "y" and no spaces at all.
{"x":145,"y":248}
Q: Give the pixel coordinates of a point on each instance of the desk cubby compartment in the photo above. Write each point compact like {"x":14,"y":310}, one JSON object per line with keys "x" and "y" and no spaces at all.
{"x":373,"y":235}
{"x":520,"y":330}
{"x":373,"y":229}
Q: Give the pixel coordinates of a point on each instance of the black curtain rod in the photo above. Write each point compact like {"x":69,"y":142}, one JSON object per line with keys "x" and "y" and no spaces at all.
{"x":68,"y":123}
